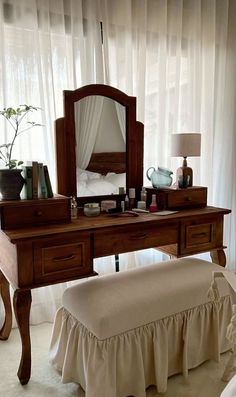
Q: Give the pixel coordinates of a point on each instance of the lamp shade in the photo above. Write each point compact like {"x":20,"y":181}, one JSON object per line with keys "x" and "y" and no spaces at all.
{"x":186,"y":144}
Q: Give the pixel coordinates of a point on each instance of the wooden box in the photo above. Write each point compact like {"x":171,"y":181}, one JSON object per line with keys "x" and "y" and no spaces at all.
{"x":24,"y":213}
{"x":177,"y":199}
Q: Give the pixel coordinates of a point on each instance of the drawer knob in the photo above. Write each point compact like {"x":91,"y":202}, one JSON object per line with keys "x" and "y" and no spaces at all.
{"x":188,"y":198}
{"x":38,"y":213}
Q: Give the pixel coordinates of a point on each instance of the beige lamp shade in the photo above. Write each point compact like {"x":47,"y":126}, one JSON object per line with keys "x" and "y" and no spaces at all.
{"x":186,"y":144}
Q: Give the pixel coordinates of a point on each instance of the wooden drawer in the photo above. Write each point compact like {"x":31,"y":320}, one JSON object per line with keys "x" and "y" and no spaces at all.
{"x":176,"y":199}
{"x":187,"y":198}
{"x":61,"y":259}
{"x":201,"y":236}
{"x":24,"y":213}
{"x":132,"y":238}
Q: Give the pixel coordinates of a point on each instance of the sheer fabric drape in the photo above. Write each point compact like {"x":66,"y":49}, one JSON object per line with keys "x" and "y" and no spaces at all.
{"x":121,"y":115}
{"x":46,"y":46}
{"x":87,"y":127}
{"x":176,"y":56}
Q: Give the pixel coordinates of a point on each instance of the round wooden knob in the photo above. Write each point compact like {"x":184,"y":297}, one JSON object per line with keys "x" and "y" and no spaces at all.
{"x":38,"y":213}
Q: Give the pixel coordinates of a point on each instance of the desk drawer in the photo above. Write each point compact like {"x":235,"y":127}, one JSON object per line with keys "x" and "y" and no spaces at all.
{"x":177,"y":199}
{"x":201,"y":236}
{"x":133,"y":238}
{"x":58,"y":259}
{"x":187,"y":198}
{"x":35,"y":212}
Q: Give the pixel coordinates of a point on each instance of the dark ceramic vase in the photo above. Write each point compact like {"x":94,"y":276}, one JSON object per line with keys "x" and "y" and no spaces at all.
{"x":11,"y":184}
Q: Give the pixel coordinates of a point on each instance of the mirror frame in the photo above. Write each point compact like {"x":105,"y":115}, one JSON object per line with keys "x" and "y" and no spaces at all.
{"x":65,"y":141}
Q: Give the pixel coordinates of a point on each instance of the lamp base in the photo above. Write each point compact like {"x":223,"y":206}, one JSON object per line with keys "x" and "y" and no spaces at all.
{"x":184,"y":177}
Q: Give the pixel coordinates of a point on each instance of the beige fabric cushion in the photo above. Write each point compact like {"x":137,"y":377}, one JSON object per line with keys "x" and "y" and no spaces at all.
{"x":113,"y":304}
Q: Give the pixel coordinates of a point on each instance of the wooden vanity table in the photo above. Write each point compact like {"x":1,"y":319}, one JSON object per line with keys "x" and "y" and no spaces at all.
{"x":44,"y":255}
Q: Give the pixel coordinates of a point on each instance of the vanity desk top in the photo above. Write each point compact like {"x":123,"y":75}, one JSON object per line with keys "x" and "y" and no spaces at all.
{"x":105,"y":220}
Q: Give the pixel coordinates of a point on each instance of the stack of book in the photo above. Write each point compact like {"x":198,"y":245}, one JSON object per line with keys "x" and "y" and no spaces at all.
{"x":37,"y":181}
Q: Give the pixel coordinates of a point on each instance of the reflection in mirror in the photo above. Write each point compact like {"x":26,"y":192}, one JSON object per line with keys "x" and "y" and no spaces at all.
{"x":100,"y":135}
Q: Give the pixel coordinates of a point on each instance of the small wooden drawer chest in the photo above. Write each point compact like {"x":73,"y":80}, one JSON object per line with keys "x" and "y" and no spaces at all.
{"x":176,"y":199}
{"x":16,"y":214}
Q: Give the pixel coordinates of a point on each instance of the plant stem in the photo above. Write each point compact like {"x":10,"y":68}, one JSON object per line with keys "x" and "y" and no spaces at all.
{"x":13,"y":140}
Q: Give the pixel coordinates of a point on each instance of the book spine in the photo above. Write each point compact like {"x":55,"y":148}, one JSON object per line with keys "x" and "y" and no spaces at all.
{"x":42,"y":188}
{"x":27,"y":174}
{"x":48,"y":181}
{"x":34,"y":179}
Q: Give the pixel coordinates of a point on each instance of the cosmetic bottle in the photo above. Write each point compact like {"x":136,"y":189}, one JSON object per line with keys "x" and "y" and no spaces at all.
{"x":126,"y":203}
{"x":73,"y":207}
{"x":143,"y":196}
{"x":153,"y":205}
{"x":131,"y":198}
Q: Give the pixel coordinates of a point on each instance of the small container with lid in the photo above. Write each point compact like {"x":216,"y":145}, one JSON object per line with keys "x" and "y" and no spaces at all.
{"x":91,"y":209}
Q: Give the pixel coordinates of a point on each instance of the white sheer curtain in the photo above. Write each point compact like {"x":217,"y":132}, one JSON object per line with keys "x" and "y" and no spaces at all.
{"x":87,"y":117}
{"x":46,"y":46}
{"x":177,"y":56}
{"x":121,"y":115}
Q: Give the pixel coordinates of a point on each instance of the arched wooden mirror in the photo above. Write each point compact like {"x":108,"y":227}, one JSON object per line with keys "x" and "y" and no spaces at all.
{"x":99,"y":134}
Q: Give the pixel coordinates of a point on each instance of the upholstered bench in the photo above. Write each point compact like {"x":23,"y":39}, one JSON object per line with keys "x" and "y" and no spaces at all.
{"x":117,"y":334}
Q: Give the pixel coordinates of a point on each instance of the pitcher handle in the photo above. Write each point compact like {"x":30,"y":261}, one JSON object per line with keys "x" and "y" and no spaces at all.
{"x":147,"y":173}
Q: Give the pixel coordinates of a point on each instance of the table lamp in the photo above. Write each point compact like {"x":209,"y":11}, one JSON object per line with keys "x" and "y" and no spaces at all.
{"x":185,"y":145}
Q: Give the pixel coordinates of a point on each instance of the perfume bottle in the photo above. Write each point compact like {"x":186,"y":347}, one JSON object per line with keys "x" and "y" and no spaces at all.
{"x":131,"y":198}
{"x":73,"y":207}
{"x":126,"y":202}
{"x":143,"y":196}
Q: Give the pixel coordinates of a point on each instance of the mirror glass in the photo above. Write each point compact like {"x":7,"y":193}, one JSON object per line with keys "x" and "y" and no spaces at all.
{"x":100,"y":136}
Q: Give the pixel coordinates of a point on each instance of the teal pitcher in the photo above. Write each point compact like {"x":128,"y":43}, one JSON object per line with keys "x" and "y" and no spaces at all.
{"x":160,"y":178}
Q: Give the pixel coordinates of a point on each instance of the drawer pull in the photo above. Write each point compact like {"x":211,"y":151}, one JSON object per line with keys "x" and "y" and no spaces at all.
{"x":188,"y":198}
{"x":138,"y":237}
{"x":64,"y":258}
{"x":199,"y":234}
{"x":38,"y":213}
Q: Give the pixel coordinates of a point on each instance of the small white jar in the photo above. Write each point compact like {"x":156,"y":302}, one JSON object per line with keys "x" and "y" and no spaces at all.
{"x":91,"y":209}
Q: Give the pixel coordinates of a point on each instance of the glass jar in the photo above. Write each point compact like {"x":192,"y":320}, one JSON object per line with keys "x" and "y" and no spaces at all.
{"x":91,"y":209}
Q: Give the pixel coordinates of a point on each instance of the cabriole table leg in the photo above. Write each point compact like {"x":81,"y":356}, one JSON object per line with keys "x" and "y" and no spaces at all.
{"x":5,"y":295}
{"x":218,"y":257}
{"x":22,"y":303}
